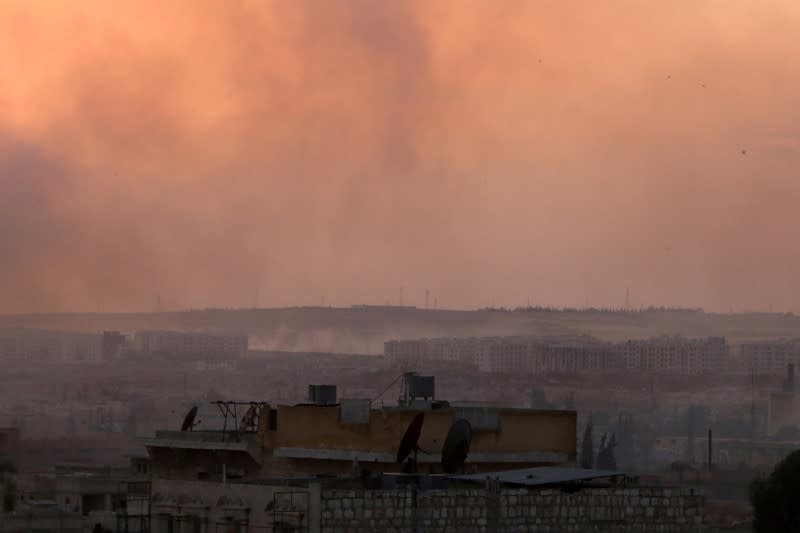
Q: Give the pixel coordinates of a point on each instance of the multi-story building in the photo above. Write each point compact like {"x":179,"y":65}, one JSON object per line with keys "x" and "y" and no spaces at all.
{"x":117,"y":499}
{"x":224,"y":476}
{"x":770,"y":356}
{"x":568,"y":354}
{"x":675,"y":355}
{"x":510,"y":354}
{"x":113,"y":342}
{"x":190,"y":343}
{"x":44,"y":345}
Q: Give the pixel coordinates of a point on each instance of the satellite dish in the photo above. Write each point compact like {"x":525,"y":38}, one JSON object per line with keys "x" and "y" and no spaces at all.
{"x":409,"y":442}
{"x":188,"y":421}
{"x":456,"y":446}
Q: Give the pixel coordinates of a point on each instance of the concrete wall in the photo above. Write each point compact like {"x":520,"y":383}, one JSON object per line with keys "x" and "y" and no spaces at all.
{"x":189,"y":464}
{"x":208,"y":504}
{"x":34,"y":521}
{"x":511,"y":510}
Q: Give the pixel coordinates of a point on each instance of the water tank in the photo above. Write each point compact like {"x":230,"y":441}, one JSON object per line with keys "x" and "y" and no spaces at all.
{"x":421,"y":387}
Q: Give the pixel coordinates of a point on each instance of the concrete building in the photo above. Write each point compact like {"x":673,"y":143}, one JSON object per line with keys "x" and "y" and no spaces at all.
{"x":571,"y":354}
{"x":298,"y":440}
{"x":527,"y":354}
{"x":264,"y":451}
{"x":675,"y":355}
{"x":191,"y":344}
{"x":53,"y":346}
{"x":770,"y":356}
{"x":116,"y":499}
{"x":112,"y":344}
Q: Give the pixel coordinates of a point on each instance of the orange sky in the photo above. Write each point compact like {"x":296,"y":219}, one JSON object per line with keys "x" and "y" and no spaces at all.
{"x":214,"y":153}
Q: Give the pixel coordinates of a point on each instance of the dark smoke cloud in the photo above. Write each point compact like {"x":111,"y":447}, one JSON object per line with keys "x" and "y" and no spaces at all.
{"x":205,"y":153}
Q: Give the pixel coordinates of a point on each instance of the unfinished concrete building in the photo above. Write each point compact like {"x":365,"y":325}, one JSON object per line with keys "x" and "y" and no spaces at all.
{"x":261,"y":443}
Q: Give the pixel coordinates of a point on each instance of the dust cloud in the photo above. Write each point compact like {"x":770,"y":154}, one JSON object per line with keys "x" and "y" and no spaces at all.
{"x":193,"y":154}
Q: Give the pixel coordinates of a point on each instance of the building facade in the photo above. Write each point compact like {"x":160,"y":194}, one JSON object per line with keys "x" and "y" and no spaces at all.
{"x":675,"y":355}
{"x":498,"y":355}
{"x":190,"y":343}
{"x":256,"y":471}
{"x":45,"y":345}
{"x":578,"y":354}
{"x":770,"y":356}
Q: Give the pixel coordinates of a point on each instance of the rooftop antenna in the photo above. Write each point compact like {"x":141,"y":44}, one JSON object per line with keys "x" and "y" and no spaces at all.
{"x":456,"y":446}
{"x":189,"y":420}
{"x":409,"y":443}
{"x":752,"y":411}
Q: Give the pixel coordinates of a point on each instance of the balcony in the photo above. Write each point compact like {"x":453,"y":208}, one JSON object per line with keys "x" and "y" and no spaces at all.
{"x":216,"y":441}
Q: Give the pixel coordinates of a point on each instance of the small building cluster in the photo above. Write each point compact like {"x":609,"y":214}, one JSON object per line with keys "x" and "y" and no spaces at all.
{"x":72,"y":347}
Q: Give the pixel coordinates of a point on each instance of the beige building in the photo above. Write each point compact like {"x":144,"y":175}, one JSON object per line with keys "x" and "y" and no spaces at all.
{"x":675,"y":355}
{"x":190,"y":343}
{"x":498,"y":355}
{"x":770,"y":356}
{"x":45,"y":345}
{"x":256,"y":470}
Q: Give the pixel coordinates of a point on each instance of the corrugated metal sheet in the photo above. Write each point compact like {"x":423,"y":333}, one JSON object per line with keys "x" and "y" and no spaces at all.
{"x":542,"y":475}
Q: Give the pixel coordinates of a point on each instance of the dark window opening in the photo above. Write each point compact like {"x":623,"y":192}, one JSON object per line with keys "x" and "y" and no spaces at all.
{"x":272,"y":420}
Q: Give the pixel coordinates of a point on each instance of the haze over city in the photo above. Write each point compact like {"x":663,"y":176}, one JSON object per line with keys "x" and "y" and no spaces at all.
{"x":404,"y":265}
{"x":203,"y":154}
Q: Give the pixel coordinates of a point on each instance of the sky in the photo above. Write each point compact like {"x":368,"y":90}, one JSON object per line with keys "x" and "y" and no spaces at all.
{"x":199,"y":153}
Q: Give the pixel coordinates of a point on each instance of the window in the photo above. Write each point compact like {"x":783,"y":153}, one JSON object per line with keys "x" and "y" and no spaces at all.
{"x":272,"y":420}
